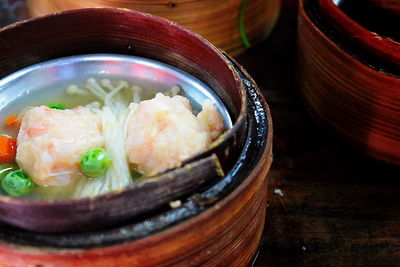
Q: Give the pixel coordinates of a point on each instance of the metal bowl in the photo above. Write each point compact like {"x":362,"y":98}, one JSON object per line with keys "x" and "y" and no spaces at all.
{"x":42,"y":63}
{"x":26,"y":87}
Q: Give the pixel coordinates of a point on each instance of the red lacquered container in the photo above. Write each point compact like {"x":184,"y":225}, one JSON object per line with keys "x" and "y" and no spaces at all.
{"x":349,"y":81}
{"x":383,"y":47}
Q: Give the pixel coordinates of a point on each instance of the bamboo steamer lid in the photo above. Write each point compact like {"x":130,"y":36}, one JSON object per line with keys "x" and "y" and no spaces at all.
{"x":217,"y":21}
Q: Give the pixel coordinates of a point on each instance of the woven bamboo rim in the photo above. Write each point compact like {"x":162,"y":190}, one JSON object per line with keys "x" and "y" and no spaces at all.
{"x":217,"y":21}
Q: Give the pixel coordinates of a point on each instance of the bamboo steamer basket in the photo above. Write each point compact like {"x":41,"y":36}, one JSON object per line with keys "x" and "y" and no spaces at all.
{"x":349,"y":82}
{"x":217,"y":21}
{"x":221,"y":224}
{"x":383,"y":47}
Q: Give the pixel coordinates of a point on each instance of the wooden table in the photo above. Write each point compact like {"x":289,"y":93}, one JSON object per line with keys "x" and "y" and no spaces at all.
{"x":328,"y":204}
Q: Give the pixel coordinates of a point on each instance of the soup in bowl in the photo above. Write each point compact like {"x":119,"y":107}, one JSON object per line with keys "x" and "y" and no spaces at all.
{"x":100,"y":123}
{"x":110,"y":112}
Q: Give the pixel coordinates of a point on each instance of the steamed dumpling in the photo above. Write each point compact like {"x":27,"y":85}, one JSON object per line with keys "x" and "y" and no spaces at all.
{"x":51,"y":142}
{"x":162,"y":132}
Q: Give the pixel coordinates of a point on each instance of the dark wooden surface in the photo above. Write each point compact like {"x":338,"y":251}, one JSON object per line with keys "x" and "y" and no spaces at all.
{"x":337,"y":206}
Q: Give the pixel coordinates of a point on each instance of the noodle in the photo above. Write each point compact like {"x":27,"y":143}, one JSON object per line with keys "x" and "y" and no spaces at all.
{"x":118,"y":175}
{"x":113,"y":115}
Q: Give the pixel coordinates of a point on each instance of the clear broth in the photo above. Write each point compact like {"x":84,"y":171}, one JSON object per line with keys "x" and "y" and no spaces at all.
{"x":57,"y":94}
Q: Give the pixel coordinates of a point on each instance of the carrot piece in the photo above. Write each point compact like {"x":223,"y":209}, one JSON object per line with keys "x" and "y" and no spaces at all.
{"x":11,"y":120}
{"x":18,"y":123}
{"x":8,"y":149}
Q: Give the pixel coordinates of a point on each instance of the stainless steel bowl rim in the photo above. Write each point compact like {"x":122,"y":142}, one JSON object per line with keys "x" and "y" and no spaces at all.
{"x":146,"y":72}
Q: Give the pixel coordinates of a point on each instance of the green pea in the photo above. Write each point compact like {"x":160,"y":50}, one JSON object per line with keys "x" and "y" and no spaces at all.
{"x":17,"y":183}
{"x":6,"y":168}
{"x":56,"y":106}
{"x":95,"y":162}
{"x":136,"y":174}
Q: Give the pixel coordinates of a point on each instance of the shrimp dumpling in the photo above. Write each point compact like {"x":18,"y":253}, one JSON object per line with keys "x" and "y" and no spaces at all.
{"x":162,"y":132}
{"x":210,"y":119}
{"x":51,"y":142}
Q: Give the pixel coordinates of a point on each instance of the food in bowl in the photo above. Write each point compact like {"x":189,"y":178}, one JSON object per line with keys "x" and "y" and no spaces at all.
{"x":101,"y":137}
